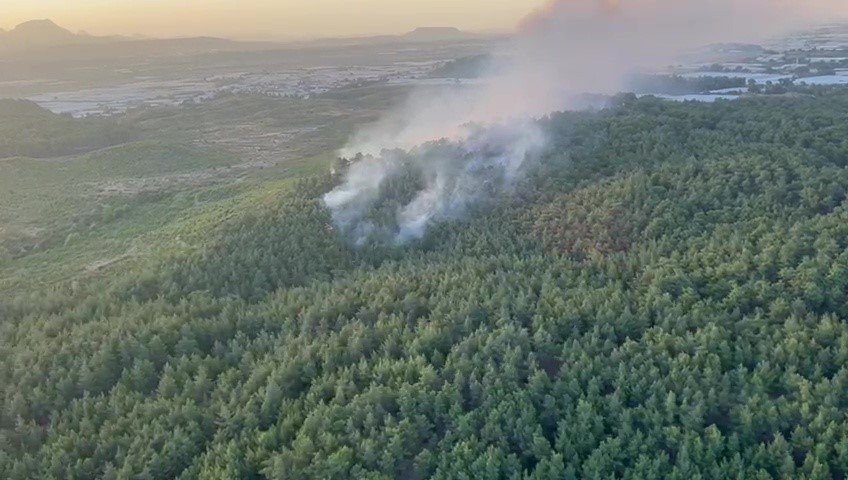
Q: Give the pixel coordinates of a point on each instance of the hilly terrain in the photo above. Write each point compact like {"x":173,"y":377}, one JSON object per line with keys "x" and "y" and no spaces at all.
{"x":44,"y":33}
{"x":51,"y":43}
{"x":664,"y":295}
{"x":436,"y":34}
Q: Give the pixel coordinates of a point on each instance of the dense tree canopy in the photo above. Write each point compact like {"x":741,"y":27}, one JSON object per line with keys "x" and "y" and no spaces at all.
{"x":664,"y":297}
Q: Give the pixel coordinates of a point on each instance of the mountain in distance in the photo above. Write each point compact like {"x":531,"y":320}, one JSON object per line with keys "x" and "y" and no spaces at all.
{"x":52,"y":41}
{"x":436,"y":34}
{"x":39,"y":31}
{"x":419,"y":35}
{"x":44,"y":33}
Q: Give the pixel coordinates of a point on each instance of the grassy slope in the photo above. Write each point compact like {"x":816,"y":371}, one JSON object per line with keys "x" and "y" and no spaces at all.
{"x":78,"y":216}
{"x":28,"y":130}
{"x":87,"y":209}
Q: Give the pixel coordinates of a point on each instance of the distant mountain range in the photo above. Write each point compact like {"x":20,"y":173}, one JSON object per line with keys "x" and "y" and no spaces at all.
{"x":44,"y":40}
{"x":45,"y":33}
{"x":437,"y":34}
{"x":40,"y":34}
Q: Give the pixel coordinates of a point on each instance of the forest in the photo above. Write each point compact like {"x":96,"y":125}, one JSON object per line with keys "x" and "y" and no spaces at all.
{"x":664,"y":296}
{"x":679,"y":85}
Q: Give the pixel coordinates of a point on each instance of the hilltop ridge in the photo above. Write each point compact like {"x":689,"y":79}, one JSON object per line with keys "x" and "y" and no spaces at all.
{"x":46,"y":33}
{"x":436,"y":33}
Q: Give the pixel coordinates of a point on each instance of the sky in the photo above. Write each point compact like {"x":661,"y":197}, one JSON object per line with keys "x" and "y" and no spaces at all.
{"x":258,"y":19}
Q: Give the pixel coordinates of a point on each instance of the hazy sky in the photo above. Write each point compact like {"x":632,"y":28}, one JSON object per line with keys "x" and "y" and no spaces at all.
{"x":266,"y":18}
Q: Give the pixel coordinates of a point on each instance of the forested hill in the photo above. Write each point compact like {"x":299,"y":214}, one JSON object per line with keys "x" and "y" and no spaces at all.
{"x":664,"y":297}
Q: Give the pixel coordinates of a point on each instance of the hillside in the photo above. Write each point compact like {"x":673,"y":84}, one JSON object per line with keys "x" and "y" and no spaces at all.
{"x":664,"y":297}
{"x":29,"y":130}
{"x":466,"y":67}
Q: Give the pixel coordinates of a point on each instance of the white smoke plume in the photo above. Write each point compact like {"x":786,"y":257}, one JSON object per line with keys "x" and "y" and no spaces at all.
{"x":568,"y":48}
{"x":455,"y":176}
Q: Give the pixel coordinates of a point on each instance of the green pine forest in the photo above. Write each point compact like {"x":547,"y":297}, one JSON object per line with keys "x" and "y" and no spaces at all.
{"x":665,"y":296}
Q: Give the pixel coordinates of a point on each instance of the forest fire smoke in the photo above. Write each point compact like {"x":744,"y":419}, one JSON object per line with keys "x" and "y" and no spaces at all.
{"x":565,"y":49}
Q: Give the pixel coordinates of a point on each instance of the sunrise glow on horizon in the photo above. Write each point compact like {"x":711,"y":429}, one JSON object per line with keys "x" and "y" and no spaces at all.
{"x":267,"y":19}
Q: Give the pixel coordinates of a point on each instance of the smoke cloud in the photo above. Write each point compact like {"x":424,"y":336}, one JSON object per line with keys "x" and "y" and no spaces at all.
{"x":568,"y":48}
{"x":448,"y":178}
